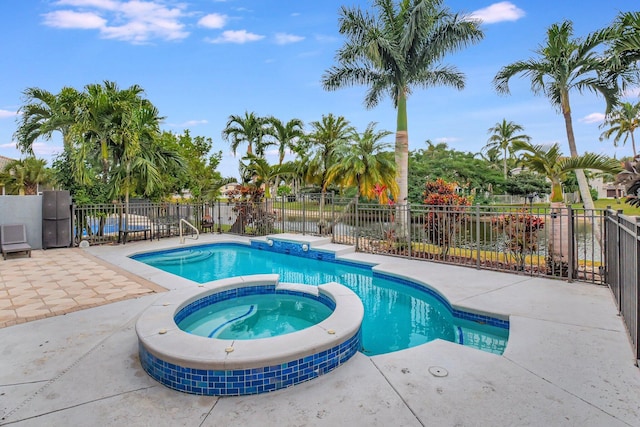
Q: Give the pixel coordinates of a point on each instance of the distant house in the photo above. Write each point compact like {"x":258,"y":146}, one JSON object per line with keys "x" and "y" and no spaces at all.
{"x":4,"y":161}
{"x":229,"y":187}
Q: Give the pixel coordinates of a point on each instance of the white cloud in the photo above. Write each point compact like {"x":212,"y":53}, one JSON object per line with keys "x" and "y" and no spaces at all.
{"x":323,"y":38}
{"x":593,"y":118}
{"x":43,"y":149}
{"x":498,"y":12}
{"x":6,"y":114}
{"x":98,"y":4}
{"x":447,"y":139}
{"x":194,"y":122}
{"x":8,"y":145}
{"x":136,"y":21}
{"x":76,"y":20}
{"x":239,"y":37}
{"x":283,"y":38}
{"x":213,"y":20}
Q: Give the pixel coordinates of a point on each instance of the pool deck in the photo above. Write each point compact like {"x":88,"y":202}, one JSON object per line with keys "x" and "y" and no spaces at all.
{"x":568,"y":362}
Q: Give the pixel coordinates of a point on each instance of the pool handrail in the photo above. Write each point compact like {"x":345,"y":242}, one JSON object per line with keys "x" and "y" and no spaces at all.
{"x":182,"y":237}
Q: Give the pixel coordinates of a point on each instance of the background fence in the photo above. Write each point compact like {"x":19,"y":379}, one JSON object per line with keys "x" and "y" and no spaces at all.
{"x":600,"y":246}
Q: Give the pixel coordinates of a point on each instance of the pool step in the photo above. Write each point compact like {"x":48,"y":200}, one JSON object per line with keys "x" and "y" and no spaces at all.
{"x":181,"y":257}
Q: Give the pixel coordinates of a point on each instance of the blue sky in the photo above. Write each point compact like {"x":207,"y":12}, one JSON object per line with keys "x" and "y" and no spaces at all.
{"x":200,"y":61}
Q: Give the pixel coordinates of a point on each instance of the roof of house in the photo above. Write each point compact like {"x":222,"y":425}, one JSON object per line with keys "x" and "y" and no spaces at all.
{"x":4,"y":161}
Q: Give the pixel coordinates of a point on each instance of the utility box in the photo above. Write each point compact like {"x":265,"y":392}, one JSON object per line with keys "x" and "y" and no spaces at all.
{"x":56,"y":219}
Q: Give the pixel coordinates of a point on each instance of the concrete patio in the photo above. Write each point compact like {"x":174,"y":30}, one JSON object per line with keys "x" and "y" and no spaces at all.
{"x":568,"y":362}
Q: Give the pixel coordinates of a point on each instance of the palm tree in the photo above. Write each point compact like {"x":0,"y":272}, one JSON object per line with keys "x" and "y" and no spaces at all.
{"x":25,"y":176}
{"x":395,"y":49}
{"x":624,"y":52}
{"x":503,"y":137}
{"x":249,"y":129}
{"x":285,"y":134}
{"x":549,"y":162}
{"x":565,"y":64}
{"x":325,"y":138}
{"x":622,"y":121}
{"x":365,"y":164}
{"x":45,"y":113}
{"x":263,"y":173}
{"x":102,"y":121}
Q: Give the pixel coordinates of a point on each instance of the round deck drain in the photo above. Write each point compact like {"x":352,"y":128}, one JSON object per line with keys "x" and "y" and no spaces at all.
{"x":438,"y":371}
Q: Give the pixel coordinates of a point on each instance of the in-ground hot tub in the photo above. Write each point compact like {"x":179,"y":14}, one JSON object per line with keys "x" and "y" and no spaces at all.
{"x":213,"y":366}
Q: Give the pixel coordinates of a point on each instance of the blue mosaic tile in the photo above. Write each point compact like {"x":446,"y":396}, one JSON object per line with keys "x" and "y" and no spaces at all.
{"x":248,"y":381}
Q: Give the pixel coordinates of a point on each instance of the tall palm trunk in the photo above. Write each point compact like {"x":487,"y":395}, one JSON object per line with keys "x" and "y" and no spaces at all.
{"x":504,"y":163}
{"x":402,"y":148}
{"x":633,"y":145}
{"x":402,"y":164}
{"x":583,"y":185}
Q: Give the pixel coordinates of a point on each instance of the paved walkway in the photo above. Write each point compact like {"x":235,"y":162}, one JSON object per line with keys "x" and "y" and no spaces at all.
{"x":568,"y":362}
{"x":60,"y":281}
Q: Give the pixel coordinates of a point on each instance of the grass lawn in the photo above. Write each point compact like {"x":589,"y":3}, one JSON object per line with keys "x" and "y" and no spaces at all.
{"x":613,"y":204}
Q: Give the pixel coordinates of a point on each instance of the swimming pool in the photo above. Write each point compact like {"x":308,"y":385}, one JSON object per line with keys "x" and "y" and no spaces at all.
{"x":399,"y":313}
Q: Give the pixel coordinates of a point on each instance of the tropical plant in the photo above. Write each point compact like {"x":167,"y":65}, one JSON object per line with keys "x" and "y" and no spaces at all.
{"x":23,"y":177}
{"x":446,"y":212}
{"x":325,"y":138}
{"x":365,"y":164}
{"x":45,"y":113}
{"x":520,"y":231}
{"x":624,"y":51}
{"x":622,"y":122}
{"x":549,"y":162}
{"x":565,"y":64}
{"x":258,"y":170}
{"x":395,"y":48}
{"x":249,"y":129}
{"x":440,"y":161}
{"x":102,"y":122}
{"x":285,"y":134}
{"x":503,"y":135}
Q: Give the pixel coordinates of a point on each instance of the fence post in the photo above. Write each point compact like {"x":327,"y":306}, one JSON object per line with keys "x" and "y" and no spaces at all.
{"x":570,"y":244}
{"x":619,"y":259}
{"x":304,"y":215}
{"x":409,"y":229}
{"x":637,"y":286}
{"x":357,"y":223}
{"x":284,"y":197}
{"x":477,"y":236}
{"x":333,"y":216}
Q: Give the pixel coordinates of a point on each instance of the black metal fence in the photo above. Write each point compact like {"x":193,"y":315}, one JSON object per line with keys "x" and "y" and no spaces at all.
{"x":622,"y":272}
{"x":600,"y":247}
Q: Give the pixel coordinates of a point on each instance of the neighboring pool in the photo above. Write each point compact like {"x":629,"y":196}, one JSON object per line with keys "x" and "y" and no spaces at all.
{"x":255,"y":316}
{"x":399,"y":313}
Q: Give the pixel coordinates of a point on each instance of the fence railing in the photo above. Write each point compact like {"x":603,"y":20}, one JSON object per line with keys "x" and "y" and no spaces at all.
{"x":599,"y":246}
{"x":622,"y":271}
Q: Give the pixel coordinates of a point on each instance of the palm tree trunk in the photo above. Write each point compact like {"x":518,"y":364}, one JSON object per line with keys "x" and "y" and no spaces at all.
{"x":504,"y":163}
{"x":633,"y":145}
{"x":402,"y":149}
{"x":402,"y":164}
{"x":583,"y":185}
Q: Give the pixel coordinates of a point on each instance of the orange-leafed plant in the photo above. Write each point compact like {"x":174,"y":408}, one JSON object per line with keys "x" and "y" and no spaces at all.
{"x":447,"y":210}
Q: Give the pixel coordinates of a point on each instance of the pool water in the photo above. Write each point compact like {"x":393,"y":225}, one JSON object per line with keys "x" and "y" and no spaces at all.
{"x":397,"y":316}
{"x":255,"y":316}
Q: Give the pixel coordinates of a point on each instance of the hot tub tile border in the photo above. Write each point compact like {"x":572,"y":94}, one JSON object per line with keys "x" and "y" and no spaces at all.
{"x":248,"y":381}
